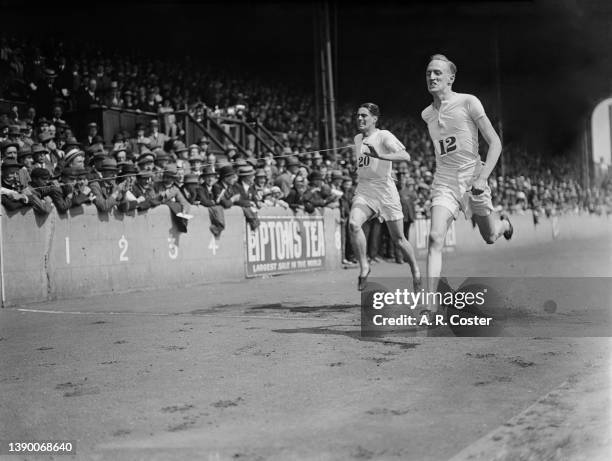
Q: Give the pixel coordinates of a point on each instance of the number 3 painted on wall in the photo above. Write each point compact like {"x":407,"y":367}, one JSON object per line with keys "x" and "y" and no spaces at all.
{"x":123,"y":245}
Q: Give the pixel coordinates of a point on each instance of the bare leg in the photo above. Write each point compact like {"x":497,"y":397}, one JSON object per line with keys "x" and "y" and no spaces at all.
{"x":360,"y":214}
{"x":441,"y":219}
{"x":397,"y":237}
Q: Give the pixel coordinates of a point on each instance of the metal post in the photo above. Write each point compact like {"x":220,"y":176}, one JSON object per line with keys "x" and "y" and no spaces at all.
{"x":500,"y":123}
{"x":324,"y":88}
{"x":330,"y":80}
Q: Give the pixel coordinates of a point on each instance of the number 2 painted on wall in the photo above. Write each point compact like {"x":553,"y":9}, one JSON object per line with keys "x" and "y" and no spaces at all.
{"x":123,"y":245}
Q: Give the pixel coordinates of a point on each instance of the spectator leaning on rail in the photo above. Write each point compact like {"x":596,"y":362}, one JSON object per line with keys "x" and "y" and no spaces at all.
{"x":223,"y":188}
{"x":169,"y":193}
{"x":70,"y":193}
{"x":106,"y":191}
{"x":26,"y":158}
{"x":12,"y":197}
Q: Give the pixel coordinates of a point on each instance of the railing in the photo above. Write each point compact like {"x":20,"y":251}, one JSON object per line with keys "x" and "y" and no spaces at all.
{"x":110,"y":121}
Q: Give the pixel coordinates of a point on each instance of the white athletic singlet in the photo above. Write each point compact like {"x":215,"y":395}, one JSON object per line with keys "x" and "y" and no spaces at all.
{"x":375,"y":186}
{"x":454,"y":132}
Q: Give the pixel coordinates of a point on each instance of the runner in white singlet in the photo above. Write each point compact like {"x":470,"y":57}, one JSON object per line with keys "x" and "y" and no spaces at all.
{"x":460,"y":181}
{"x":376,"y":195}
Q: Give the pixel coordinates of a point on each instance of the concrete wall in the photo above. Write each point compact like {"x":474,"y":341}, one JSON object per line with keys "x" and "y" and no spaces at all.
{"x":84,"y":252}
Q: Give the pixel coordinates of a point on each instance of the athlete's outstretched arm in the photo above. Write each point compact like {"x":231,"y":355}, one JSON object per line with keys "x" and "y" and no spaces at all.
{"x":392,"y":157}
{"x":494,"y":143}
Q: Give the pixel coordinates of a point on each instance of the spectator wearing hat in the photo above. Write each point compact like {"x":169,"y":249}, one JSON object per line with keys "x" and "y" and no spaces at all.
{"x":169,"y":193}
{"x":105,"y":189}
{"x":298,"y":199}
{"x":144,"y":192}
{"x":191,"y":188}
{"x":272,"y":198}
{"x":128,"y":100}
{"x":39,"y":190}
{"x":41,"y":157}
{"x":127,"y":178}
{"x":12,"y":197}
{"x":26,"y":158}
{"x":223,"y":189}
{"x":182,"y":155}
{"x":9,"y":149}
{"x":156,"y":138}
{"x":320,"y":194}
{"x":14,"y":136}
{"x":285,"y":180}
{"x":146,"y":161}
{"x":196,"y":162}
{"x":97,"y":155}
{"x":244,"y":187}
{"x":53,"y":155}
{"x":69,"y":193}
{"x":260,"y":184}
{"x":206,"y":195}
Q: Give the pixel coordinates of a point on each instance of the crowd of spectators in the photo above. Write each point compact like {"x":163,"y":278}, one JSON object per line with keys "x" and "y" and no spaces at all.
{"x":45,"y":166}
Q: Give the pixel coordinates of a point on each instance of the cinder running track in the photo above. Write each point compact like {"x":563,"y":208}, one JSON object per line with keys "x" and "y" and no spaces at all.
{"x":275,"y":369}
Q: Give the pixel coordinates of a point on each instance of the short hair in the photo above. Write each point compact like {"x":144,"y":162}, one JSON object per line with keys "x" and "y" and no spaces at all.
{"x":441,"y":57}
{"x":373,"y":108}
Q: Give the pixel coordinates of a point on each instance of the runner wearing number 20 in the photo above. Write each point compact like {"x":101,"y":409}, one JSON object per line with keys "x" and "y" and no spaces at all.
{"x":376,"y":195}
{"x":460,"y":181}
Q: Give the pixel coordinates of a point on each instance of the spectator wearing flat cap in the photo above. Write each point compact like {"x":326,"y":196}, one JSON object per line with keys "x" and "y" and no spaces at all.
{"x":12,"y":197}
{"x":106,"y":190}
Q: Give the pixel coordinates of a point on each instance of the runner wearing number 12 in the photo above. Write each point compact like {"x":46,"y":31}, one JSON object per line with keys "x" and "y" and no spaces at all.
{"x":376,"y":195}
{"x":460,"y":181}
